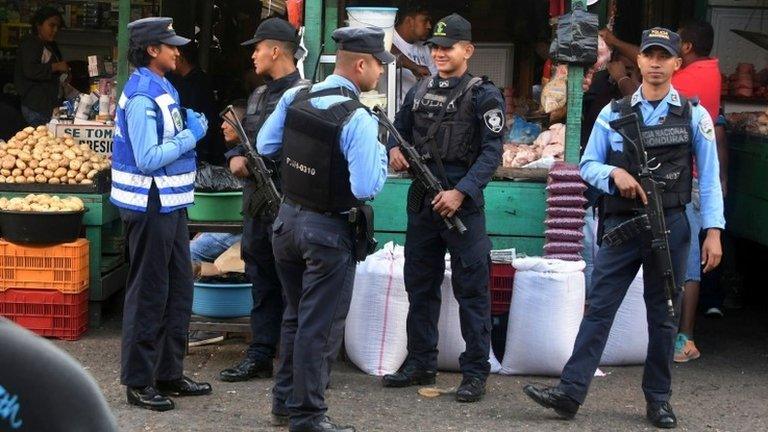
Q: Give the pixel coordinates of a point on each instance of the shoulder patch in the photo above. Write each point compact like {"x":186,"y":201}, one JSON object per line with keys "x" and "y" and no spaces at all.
{"x":494,"y":120}
{"x":706,"y":127}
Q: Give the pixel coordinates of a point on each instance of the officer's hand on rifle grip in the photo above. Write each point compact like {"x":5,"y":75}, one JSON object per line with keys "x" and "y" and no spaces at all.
{"x":627,"y":185}
{"x":238,"y":165}
{"x":447,"y":202}
{"x":397,"y":161}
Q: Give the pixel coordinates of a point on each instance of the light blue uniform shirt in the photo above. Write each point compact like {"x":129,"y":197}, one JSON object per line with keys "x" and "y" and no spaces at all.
{"x":150,"y":154}
{"x":365,"y":155}
{"x":603,"y":140}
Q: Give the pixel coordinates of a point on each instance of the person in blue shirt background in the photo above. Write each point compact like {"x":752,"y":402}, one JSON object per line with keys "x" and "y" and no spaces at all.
{"x":153,"y":175}
{"x":675,"y":129}
{"x":332,"y":161}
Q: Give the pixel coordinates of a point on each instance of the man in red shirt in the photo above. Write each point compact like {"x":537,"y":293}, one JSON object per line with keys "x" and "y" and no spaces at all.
{"x":700,"y":77}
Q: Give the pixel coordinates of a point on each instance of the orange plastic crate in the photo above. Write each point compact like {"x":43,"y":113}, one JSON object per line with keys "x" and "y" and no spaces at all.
{"x":62,"y":267}
{"x":48,"y":313}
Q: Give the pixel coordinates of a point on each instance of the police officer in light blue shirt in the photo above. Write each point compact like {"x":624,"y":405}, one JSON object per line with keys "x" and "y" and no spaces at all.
{"x":153,"y":175}
{"x":331,"y":162}
{"x":675,"y":131}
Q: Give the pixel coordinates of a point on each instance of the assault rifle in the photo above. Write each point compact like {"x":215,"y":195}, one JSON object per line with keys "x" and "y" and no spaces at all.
{"x":425,"y":181}
{"x":266,"y":198}
{"x":653,"y":216}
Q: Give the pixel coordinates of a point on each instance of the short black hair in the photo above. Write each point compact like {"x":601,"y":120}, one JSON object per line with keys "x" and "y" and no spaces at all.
{"x":190,"y":52}
{"x":287,"y":46}
{"x":138,"y":55}
{"x":410,"y":9}
{"x":42,"y":14}
{"x":700,"y":34}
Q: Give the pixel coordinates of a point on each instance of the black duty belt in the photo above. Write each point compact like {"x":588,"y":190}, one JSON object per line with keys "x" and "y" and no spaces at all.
{"x":668,"y":211}
{"x":341,"y":215}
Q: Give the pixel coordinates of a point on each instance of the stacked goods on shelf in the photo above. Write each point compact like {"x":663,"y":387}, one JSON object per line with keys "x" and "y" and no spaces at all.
{"x":745,"y":82}
{"x":565,"y":213}
{"x":45,"y":288}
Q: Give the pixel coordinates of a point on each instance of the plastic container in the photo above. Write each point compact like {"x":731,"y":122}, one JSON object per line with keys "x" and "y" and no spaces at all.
{"x":381,"y":17}
{"x":501,"y":281}
{"x":41,"y":228}
{"x":48,"y":313}
{"x":61,"y":267}
{"x":222,"y":300}
{"x":217,"y":207}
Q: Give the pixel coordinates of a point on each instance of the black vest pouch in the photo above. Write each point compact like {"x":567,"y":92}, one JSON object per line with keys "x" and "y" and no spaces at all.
{"x":361,"y":218}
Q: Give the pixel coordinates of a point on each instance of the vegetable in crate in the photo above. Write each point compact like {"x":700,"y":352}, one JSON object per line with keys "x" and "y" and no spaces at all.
{"x":36,"y":156}
{"x":42,"y":203}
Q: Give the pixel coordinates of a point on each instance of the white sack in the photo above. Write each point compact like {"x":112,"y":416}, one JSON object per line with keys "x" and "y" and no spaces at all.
{"x":628,"y":341}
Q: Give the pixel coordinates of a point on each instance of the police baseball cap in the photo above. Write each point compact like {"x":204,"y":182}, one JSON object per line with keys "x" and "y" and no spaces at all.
{"x":155,"y":30}
{"x":661,"y":37}
{"x":449,"y":30}
{"x":367,"y":40}
{"x":274,"y":29}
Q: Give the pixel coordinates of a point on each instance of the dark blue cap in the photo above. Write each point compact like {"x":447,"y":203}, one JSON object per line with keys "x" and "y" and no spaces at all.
{"x":367,"y":40}
{"x":661,"y":37}
{"x":451,"y":29}
{"x":274,"y":29}
{"x":155,"y":30}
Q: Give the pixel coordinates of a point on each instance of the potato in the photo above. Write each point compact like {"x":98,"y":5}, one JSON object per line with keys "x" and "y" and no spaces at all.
{"x":56,"y":156}
{"x":71,"y":174}
{"x":33,"y":163}
{"x":69,"y":142}
{"x":29,"y":172}
{"x":21,"y":136}
{"x":94,"y":159}
{"x":64,"y":161}
{"x":75,"y":164}
{"x":2,"y":180}
{"x":3,"y":153}
{"x":20,"y":179}
{"x":61,"y":171}
{"x":5,"y":172}
{"x":48,"y":174}
{"x":69,"y":154}
{"x":46,"y":155}
{"x":77,"y":151}
{"x":39,"y":170}
{"x":13,"y":151}
{"x":87,"y":181}
{"x":39,"y":178}
{"x":30,"y":179}
{"x":53,"y":165}
{"x":25,"y":156}
{"x":72,"y":181}
{"x":86,"y":167}
{"x":8,"y":162}
{"x":54,"y":180}
{"x":31,"y":141}
{"x":20,"y":164}
{"x":16,"y":172}
{"x":91,"y":174}
{"x":80,"y":177}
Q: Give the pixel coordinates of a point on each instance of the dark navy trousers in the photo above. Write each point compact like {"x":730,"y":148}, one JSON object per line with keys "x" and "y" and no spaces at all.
{"x":158,"y":296}
{"x":615,"y":268}
{"x":426,"y":240}
{"x":317,"y":270}
{"x":267,"y":311}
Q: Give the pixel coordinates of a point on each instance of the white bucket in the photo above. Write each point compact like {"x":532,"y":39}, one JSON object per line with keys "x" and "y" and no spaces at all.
{"x":380,"y":17}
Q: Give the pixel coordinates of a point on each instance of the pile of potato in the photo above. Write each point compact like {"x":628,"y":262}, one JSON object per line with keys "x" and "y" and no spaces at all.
{"x":36,"y":156}
{"x":42,"y":203}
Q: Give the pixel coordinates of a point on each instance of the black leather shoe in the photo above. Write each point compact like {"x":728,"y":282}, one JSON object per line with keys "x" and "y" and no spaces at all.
{"x":325,"y":425}
{"x":472,"y":389}
{"x":409,"y":375}
{"x":247,"y":369}
{"x":551,"y":397}
{"x":183,"y":387}
{"x":660,"y":414}
{"x":148,"y":398}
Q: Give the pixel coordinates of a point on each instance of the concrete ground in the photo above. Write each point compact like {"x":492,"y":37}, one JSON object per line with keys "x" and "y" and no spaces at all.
{"x":725,"y":390}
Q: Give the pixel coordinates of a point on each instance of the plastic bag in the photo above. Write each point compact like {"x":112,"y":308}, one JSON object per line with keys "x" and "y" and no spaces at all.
{"x":522,"y":132}
{"x":554,"y":95}
{"x":214,"y":178}
{"x":576,"y":39}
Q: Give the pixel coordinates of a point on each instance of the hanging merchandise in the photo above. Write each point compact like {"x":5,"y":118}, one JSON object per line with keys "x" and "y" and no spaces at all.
{"x":554,"y":96}
{"x":575,"y":41}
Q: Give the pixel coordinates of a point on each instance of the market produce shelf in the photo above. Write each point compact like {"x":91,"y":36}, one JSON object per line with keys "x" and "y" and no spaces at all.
{"x":101,"y":184}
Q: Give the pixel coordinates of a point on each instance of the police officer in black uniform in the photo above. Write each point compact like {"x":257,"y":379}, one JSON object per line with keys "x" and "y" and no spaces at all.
{"x":273,"y":58}
{"x":675,"y":131}
{"x":332,"y":162}
{"x":456,"y":121}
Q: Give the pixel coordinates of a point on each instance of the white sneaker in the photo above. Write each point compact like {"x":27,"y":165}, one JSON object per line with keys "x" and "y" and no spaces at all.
{"x":714,"y":312}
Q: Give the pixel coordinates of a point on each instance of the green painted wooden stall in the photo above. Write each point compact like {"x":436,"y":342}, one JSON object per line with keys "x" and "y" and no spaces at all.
{"x":747,"y":203}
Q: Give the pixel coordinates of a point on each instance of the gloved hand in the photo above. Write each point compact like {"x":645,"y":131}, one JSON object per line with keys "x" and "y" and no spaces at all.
{"x":197,"y":124}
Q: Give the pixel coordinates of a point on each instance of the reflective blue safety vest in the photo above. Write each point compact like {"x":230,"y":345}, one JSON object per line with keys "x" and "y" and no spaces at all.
{"x":176,"y":181}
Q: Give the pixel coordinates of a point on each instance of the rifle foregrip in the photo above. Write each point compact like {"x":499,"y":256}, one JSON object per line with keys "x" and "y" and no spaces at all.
{"x":458,"y":224}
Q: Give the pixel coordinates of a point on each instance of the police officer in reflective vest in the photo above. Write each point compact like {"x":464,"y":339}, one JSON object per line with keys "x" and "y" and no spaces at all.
{"x":153,"y":175}
{"x":273,"y":58}
{"x":456,"y":121}
{"x":675,"y":131}
{"x":331,"y":162}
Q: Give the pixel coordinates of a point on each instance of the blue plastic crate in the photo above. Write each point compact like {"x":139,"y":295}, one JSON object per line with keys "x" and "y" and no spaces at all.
{"x":222,"y":300}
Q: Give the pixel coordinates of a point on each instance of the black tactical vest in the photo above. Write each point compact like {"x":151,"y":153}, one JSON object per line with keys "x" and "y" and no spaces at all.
{"x":260,"y":107}
{"x":314,"y":171}
{"x":456,"y":138}
{"x":669,"y":147}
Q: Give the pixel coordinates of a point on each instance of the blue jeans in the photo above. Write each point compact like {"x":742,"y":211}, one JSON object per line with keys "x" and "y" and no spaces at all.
{"x":208,"y":246}
{"x":590,"y":246}
{"x":693,"y":265}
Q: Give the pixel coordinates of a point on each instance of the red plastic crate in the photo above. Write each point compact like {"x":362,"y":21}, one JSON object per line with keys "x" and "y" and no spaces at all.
{"x":63,"y":267}
{"x":48,"y":313}
{"x":500,"y":283}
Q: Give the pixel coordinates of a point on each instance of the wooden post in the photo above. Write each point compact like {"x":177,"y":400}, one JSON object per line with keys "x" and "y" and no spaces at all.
{"x":124,"y":16}
{"x":575,"y":98}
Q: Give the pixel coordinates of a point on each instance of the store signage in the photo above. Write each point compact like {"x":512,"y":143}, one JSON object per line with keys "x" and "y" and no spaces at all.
{"x":98,"y":137}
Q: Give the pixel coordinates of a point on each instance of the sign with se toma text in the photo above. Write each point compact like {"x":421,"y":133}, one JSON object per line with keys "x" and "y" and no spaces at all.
{"x":98,"y":137}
